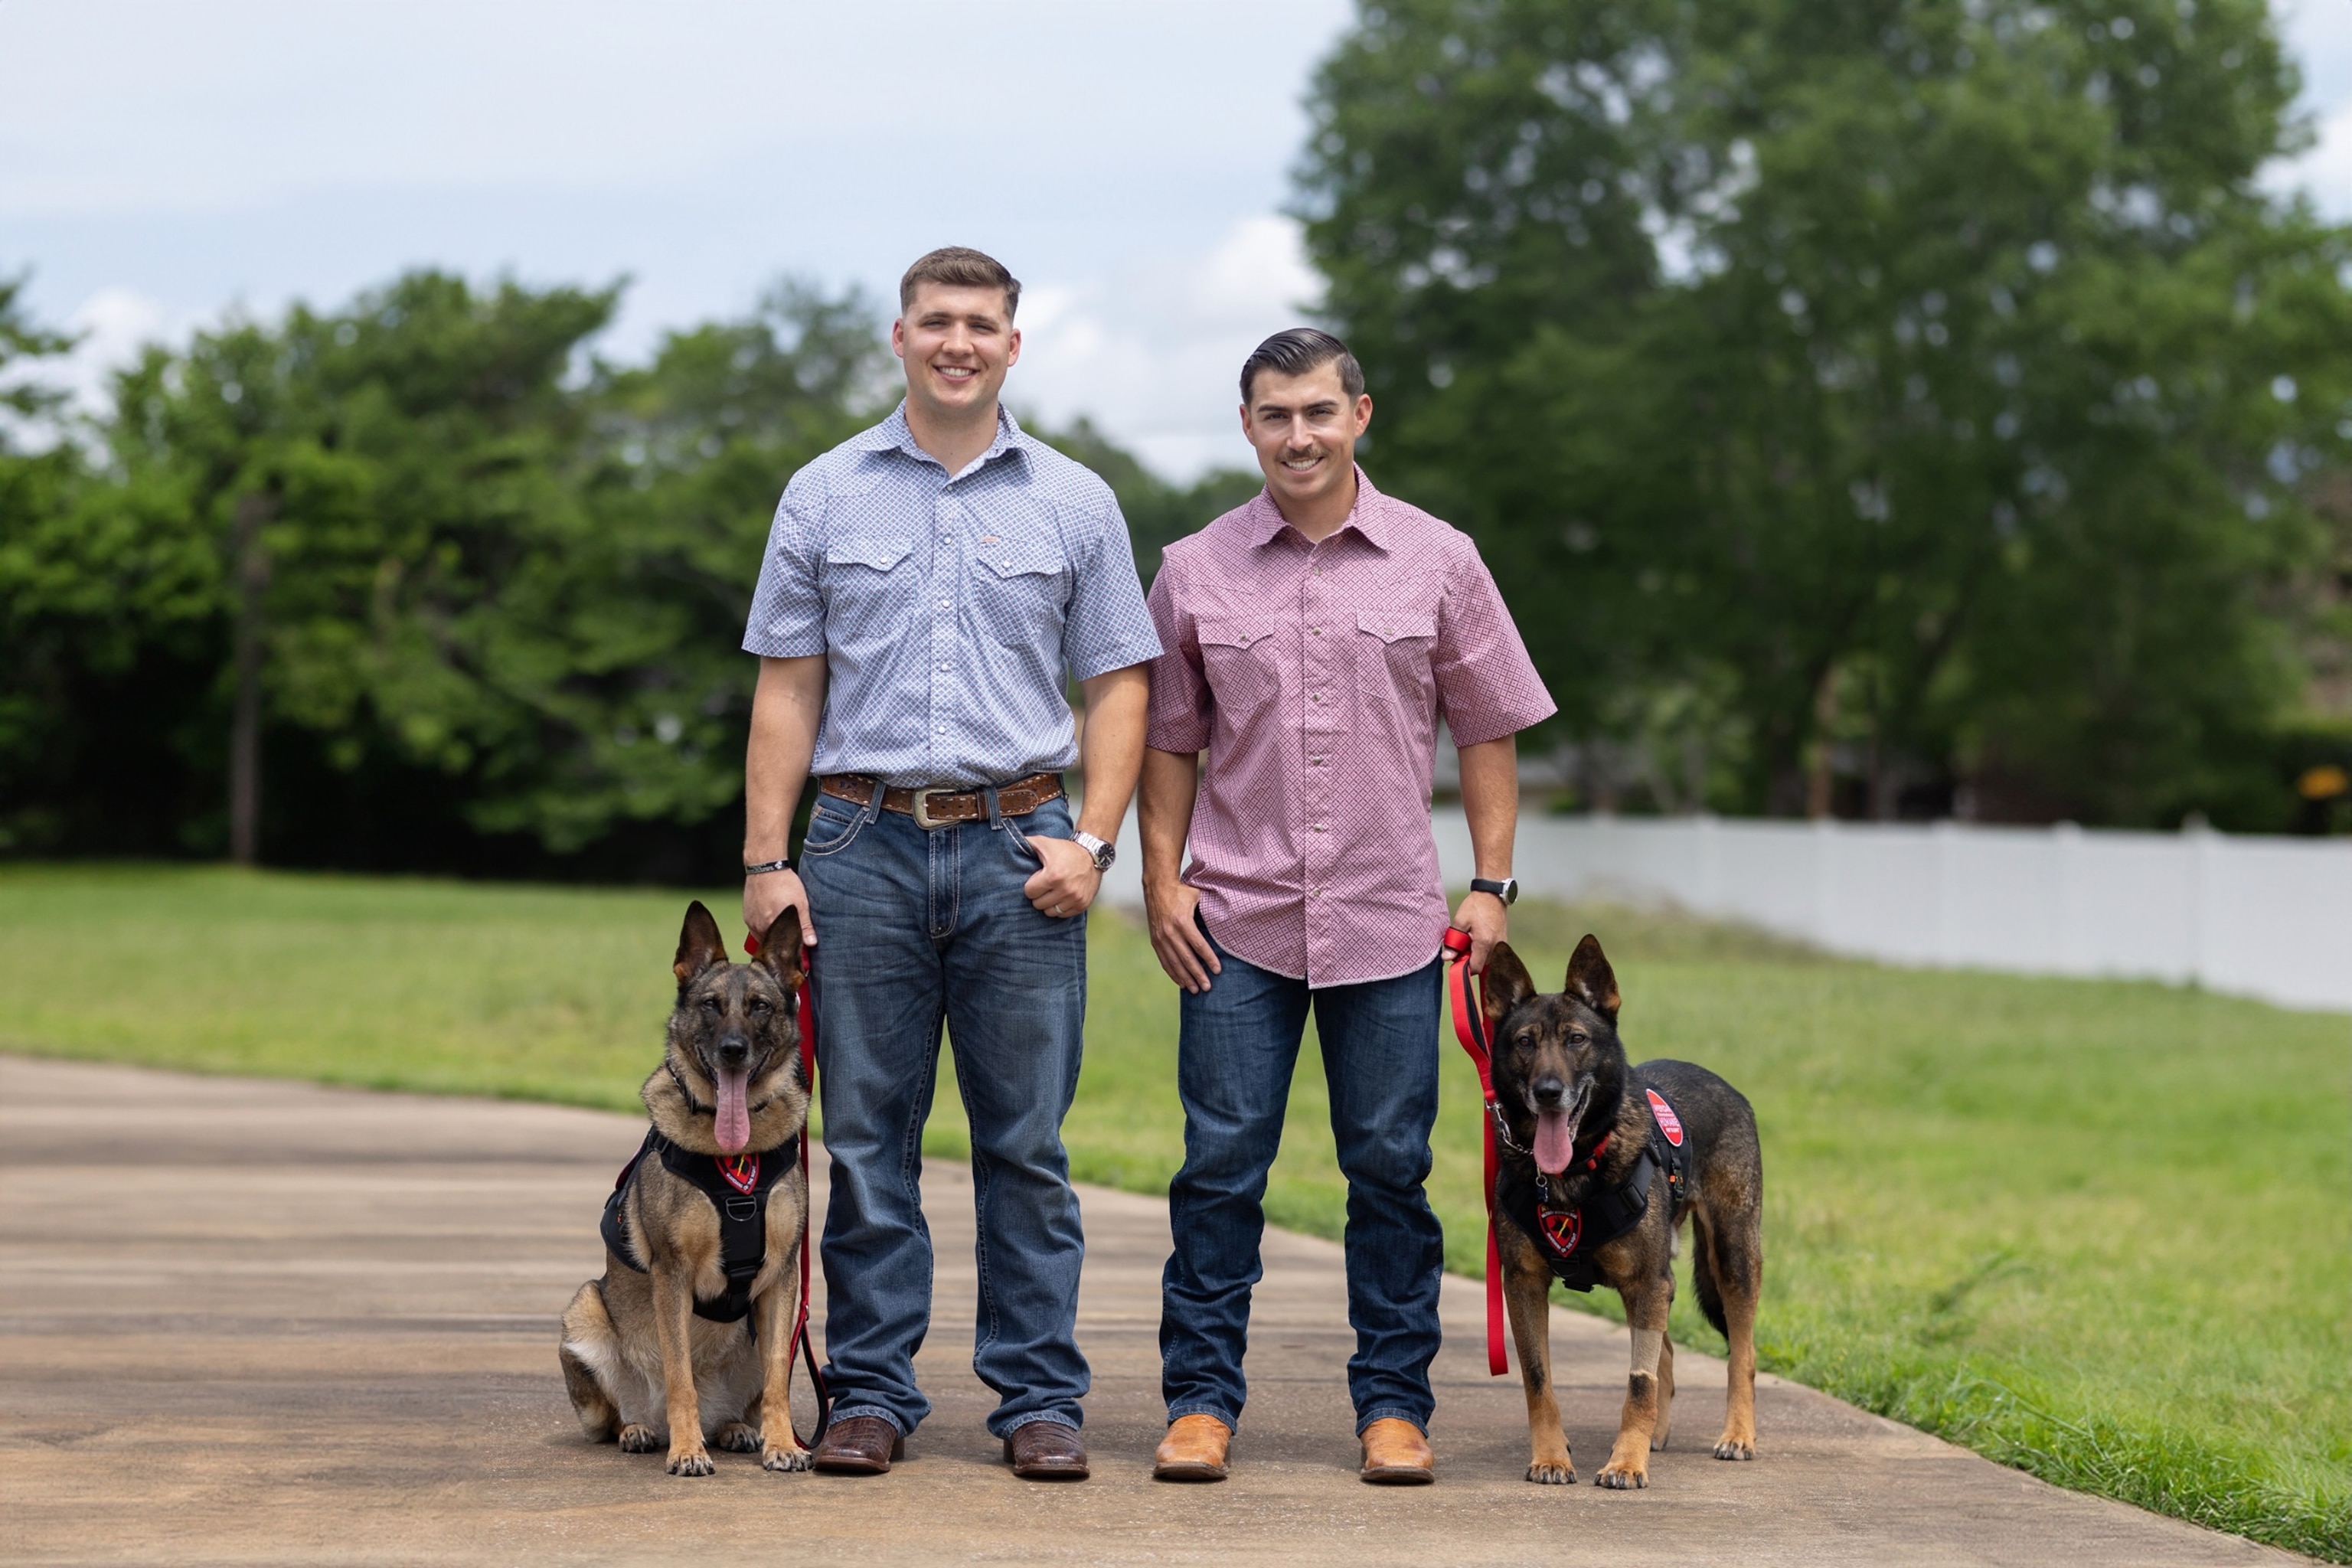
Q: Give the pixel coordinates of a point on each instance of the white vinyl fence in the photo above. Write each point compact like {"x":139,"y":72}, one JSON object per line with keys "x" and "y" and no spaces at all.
{"x":2264,"y":917}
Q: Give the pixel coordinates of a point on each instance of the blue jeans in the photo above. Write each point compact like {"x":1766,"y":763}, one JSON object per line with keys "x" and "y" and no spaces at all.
{"x":914,"y":930}
{"x":1236,"y":1049}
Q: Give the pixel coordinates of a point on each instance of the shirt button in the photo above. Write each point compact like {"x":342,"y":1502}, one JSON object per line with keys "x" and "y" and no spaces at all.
{"x":1315,"y":631}
{"x":943,"y":604}
{"x":1319,"y":827}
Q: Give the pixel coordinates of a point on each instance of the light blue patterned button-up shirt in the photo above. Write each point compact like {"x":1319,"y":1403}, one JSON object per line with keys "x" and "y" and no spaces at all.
{"x":948,"y":606}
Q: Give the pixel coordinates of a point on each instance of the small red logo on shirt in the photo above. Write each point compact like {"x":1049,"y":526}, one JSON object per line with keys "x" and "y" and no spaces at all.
{"x":1668,"y":1122}
{"x":1562,"y":1228}
{"x":741,"y":1170}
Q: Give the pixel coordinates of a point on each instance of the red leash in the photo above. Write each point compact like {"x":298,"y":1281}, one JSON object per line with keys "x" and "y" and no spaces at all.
{"x":1470,"y":1028}
{"x":802,"y":1341}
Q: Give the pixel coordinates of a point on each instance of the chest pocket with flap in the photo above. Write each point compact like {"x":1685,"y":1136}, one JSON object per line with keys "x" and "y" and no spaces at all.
{"x":1021,"y":592}
{"x":1237,"y":656}
{"x":869,"y":589}
{"x":1392,"y":654}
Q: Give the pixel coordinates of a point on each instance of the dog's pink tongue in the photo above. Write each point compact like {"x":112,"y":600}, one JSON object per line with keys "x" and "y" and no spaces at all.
{"x":733,"y":1121}
{"x":1555,"y":1142}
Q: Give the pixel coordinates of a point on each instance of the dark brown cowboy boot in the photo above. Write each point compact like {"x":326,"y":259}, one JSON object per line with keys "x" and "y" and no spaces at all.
{"x":859,"y":1445}
{"x":1046,"y":1451}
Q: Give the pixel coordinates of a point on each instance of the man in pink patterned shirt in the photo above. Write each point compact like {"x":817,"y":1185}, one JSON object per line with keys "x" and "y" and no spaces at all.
{"x":1313,"y":638}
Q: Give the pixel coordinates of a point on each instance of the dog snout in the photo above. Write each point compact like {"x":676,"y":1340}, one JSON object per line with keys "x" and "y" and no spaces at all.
{"x":734,"y":1050}
{"x":1548,"y":1091}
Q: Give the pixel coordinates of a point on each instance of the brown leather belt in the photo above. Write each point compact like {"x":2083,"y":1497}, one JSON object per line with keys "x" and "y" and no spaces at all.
{"x":945,"y":807}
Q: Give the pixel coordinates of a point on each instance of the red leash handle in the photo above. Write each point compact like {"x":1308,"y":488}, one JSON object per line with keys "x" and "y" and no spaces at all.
{"x":1470,"y":1028}
{"x":802,"y":1340}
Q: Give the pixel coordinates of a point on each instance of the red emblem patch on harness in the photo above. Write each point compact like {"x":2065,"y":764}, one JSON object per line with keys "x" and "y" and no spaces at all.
{"x":1668,"y":1122}
{"x":1562,"y":1228}
{"x":741,"y":1170}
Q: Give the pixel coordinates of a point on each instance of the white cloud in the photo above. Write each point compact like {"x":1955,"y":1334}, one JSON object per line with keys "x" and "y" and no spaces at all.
{"x":1150,"y":349}
{"x":2324,"y":171}
{"x":109,"y":329}
{"x":112,"y":325}
{"x":2318,"y":34}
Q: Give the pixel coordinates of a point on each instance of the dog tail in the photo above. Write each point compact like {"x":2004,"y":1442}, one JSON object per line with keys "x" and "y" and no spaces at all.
{"x":1704,"y":1265}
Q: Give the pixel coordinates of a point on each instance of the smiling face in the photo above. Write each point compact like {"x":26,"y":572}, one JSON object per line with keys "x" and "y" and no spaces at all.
{"x":957,"y":343}
{"x":1305,"y":429}
{"x":1558,"y":1060}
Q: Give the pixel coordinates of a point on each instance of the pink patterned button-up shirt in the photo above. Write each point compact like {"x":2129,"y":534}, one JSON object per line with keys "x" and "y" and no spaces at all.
{"x":1314,"y":675}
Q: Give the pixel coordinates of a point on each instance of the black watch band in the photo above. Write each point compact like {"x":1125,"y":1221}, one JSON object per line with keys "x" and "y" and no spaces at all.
{"x":1507,"y":890}
{"x":765,"y":867}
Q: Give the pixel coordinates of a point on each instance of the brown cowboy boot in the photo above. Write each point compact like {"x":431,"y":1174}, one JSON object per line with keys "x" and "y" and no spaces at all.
{"x":1046,"y":1451}
{"x":859,"y":1445}
{"x":1397,"y":1454}
{"x":1193,"y":1450}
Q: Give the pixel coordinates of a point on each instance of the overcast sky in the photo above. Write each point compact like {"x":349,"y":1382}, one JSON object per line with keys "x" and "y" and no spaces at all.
{"x":162,"y":161}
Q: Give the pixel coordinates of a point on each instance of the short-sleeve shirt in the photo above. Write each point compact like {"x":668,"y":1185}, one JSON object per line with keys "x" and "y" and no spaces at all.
{"x":1313,"y":676}
{"x":951,"y":608}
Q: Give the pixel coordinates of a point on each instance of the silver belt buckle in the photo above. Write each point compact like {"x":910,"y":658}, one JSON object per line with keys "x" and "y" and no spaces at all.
{"x":923,"y":818}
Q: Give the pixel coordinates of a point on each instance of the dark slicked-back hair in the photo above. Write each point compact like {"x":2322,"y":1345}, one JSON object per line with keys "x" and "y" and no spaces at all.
{"x":1298,"y":351}
{"x":960,"y":266}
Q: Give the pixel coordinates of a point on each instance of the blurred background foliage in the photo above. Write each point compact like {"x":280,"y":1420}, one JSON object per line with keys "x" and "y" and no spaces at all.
{"x":1870,"y":407}
{"x":1878,"y":406}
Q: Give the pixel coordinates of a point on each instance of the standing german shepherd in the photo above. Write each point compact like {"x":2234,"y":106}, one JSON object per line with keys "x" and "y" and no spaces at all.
{"x":1599,"y":1163}
{"x":703,"y":1228}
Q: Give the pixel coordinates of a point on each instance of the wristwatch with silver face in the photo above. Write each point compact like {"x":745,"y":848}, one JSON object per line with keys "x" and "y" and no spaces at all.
{"x":1102,"y":850}
{"x":1507,"y":890}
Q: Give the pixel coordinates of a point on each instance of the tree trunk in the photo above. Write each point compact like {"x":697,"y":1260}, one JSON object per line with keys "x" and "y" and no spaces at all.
{"x":252,"y":572}
{"x":1821,"y":784}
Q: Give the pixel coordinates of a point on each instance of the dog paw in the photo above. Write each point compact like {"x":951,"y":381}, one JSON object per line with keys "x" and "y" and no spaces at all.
{"x":785,"y":1461}
{"x":637,"y":1439}
{"x":1622,"y":1478}
{"x":1732,"y":1449}
{"x":735,"y":1437}
{"x":1544,"y":1474}
{"x":694,"y":1462}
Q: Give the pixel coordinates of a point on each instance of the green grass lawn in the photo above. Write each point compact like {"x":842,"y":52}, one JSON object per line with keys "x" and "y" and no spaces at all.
{"x":2102,"y":1231}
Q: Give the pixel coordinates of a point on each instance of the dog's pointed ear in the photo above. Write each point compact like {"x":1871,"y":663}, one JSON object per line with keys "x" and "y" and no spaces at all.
{"x":1591,"y":980}
{"x":1506,"y":984}
{"x":699,"y":945}
{"x":779,"y":948}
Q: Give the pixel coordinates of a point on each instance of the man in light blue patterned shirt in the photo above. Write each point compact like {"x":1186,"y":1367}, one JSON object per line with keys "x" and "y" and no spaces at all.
{"x":928,"y":588}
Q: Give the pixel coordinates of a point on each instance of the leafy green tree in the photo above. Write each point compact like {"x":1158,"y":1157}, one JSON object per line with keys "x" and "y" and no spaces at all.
{"x":686,"y":457}
{"x":37,"y":488}
{"x":419,"y":582}
{"x":375,"y":491}
{"x":1157,"y":512}
{"x":1917,"y":391}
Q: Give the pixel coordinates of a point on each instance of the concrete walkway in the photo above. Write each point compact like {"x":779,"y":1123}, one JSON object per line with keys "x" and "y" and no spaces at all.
{"x":260,"y":1323}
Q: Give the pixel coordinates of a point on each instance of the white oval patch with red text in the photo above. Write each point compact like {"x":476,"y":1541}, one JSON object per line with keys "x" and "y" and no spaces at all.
{"x":1668,"y":1122}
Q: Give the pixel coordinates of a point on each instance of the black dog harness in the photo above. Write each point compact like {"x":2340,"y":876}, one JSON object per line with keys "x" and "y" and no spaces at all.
{"x":1569,"y":1235}
{"x":738,"y":1187}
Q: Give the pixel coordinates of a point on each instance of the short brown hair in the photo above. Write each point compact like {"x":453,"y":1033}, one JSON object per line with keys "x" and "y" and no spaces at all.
{"x":960,"y":266}
{"x":1299,"y":351}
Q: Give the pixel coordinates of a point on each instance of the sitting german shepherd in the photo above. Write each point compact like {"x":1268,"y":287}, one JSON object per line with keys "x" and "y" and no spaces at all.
{"x":701,"y":1230}
{"x":1599,"y":1163}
